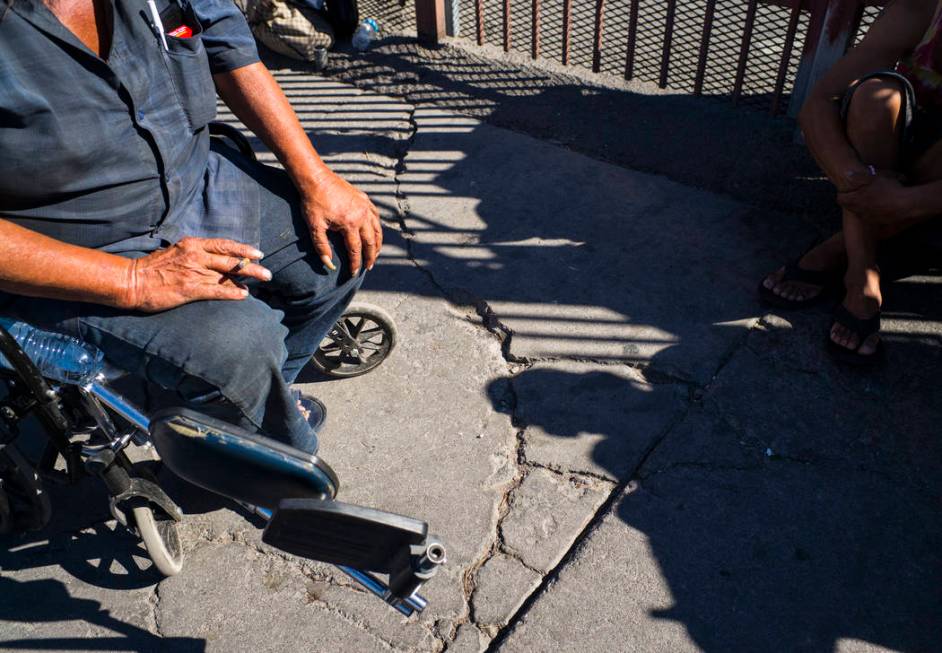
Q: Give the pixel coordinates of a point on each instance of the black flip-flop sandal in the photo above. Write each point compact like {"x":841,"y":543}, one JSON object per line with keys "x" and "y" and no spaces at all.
{"x":828,"y":280}
{"x":863,"y":329}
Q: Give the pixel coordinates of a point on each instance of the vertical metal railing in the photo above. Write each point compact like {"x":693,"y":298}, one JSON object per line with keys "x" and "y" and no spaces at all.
{"x":632,"y":39}
{"x":668,"y":39}
{"x":535,"y":30}
{"x":744,"y":49}
{"x":786,"y":58}
{"x":597,"y":38}
{"x":567,"y":29}
{"x":479,"y":18}
{"x":704,"y":47}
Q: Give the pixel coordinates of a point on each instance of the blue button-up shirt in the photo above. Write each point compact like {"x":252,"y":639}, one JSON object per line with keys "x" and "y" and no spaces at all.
{"x":114,"y":154}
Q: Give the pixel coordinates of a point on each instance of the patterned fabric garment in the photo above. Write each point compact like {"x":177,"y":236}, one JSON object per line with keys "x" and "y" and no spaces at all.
{"x":114,"y":153}
{"x":923,"y":68}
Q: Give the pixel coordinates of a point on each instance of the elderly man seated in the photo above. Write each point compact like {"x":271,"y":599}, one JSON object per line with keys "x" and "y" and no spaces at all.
{"x":874,"y":124}
{"x":123,"y":224}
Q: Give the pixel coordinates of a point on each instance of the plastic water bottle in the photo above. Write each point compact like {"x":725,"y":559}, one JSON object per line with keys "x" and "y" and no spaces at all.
{"x":367,"y":31}
{"x":59,"y":357}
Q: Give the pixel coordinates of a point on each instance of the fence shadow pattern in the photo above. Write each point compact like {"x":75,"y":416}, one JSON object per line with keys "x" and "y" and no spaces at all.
{"x":746,"y":50}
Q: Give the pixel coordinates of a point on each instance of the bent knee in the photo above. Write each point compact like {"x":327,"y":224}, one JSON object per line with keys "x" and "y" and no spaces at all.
{"x":875,"y":104}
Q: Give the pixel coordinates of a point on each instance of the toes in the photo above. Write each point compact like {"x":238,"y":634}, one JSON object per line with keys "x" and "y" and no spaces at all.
{"x":795,"y":292}
{"x":771,"y":281}
{"x":846,"y":338}
{"x":836,"y":333}
{"x":869,"y":346}
{"x":842,"y":336}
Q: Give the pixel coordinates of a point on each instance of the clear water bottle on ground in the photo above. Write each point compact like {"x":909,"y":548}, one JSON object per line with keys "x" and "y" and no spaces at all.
{"x":59,"y":357}
{"x":367,"y":31}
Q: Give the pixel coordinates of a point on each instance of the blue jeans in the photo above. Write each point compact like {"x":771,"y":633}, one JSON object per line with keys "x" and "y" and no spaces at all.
{"x":231,"y":359}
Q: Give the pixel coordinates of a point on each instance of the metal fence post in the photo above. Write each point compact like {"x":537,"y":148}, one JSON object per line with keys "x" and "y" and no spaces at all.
{"x":452,"y":18}
{"x":829,"y":34}
{"x":430,"y":20}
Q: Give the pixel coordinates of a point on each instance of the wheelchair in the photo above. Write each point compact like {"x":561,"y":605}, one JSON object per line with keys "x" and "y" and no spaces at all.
{"x":68,"y":387}
{"x":89,"y":425}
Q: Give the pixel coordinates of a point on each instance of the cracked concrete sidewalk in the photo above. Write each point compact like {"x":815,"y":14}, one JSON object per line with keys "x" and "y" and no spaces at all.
{"x":622,"y":450}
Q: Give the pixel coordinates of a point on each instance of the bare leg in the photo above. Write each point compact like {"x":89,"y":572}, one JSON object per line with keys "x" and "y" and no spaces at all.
{"x":873,"y":129}
{"x":873,"y":124}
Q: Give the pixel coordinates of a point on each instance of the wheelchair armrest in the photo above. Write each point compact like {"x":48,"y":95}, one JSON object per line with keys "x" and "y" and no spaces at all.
{"x":225,"y":130}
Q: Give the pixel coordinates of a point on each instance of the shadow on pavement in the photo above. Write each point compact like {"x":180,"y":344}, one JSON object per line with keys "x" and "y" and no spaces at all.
{"x":796,"y":503}
{"x":46,"y":601}
{"x":697,"y":141}
{"x":787,"y":511}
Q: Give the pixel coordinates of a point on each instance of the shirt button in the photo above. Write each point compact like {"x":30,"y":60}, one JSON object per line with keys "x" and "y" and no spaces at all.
{"x":140,"y":116}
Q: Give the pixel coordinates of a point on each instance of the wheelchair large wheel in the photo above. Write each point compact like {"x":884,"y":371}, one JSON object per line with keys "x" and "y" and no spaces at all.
{"x":161,"y":539}
{"x":24,"y":505}
{"x":359,"y":342}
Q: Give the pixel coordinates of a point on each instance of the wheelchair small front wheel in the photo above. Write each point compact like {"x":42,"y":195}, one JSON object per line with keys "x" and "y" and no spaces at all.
{"x":161,"y":539}
{"x":359,"y":342}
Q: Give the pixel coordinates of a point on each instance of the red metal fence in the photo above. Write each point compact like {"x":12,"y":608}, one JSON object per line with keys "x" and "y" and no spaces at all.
{"x":760,"y":53}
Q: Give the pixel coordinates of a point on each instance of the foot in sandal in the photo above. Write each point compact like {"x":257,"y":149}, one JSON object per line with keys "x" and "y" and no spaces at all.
{"x":855,"y":333}
{"x":804,"y":281}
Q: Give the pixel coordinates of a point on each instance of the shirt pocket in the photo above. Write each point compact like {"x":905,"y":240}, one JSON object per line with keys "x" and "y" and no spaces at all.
{"x":190,"y":74}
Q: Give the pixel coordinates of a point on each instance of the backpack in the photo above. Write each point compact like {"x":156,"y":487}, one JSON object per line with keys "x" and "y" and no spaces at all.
{"x":290,"y":29}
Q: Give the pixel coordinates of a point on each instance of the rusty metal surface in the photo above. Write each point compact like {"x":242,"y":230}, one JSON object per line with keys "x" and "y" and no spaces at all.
{"x":567,"y":30}
{"x":479,"y":20}
{"x":597,"y":39}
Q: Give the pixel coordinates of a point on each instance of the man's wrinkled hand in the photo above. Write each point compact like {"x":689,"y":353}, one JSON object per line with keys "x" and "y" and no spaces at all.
{"x":883,"y":201}
{"x":336,"y":205}
{"x":191,"y":270}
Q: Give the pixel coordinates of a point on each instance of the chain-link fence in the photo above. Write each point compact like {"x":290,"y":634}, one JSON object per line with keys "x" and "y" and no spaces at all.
{"x":745,"y":50}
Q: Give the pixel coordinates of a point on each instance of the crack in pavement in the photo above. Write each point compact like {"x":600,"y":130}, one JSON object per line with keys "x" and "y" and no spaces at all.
{"x":156,"y":610}
{"x":402,"y":202}
{"x":489,"y":320}
{"x":352,"y":620}
{"x":627,"y":486}
{"x":582,"y":474}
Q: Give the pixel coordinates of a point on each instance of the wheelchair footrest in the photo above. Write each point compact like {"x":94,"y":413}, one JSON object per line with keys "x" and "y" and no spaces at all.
{"x":358,"y":537}
{"x":342,"y":533}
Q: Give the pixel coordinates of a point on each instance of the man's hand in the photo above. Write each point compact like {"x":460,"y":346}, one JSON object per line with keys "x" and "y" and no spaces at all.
{"x":191,"y":270}
{"x":336,"y":205}
{"x":329,"y":202}
{"x":883,"y":201}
